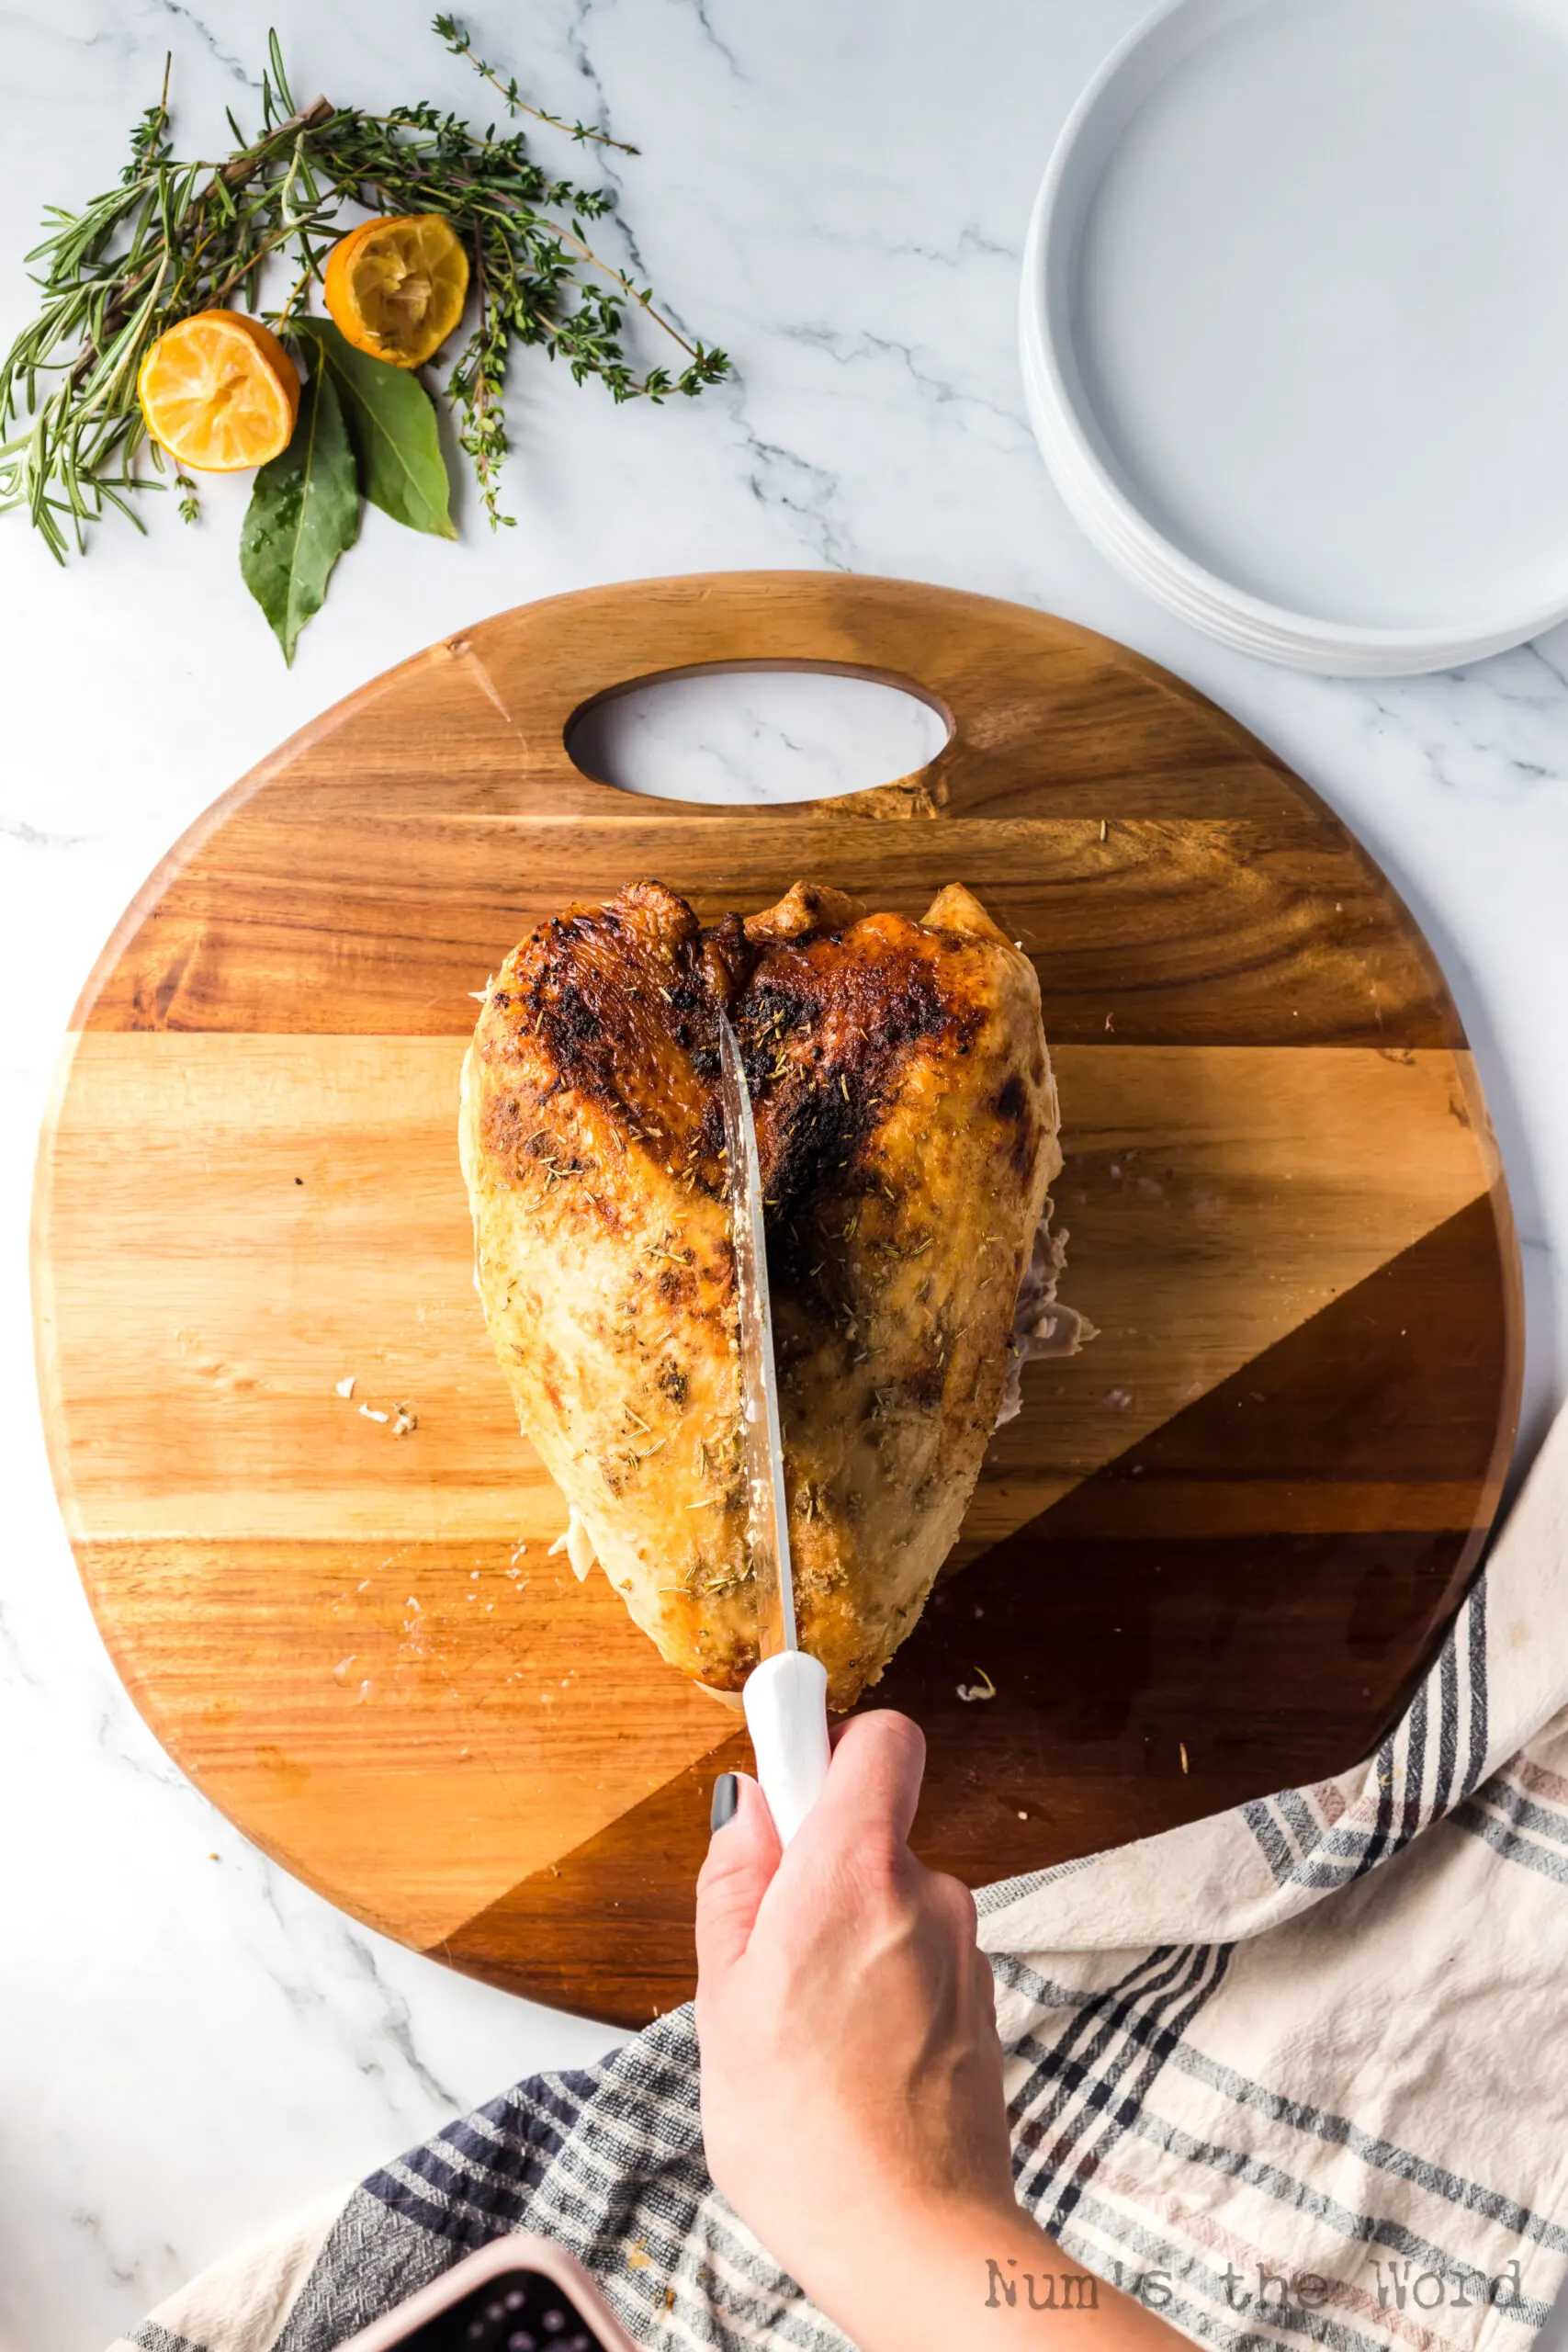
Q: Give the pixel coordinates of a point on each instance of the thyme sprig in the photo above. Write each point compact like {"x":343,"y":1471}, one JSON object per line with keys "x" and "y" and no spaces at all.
{"x":172,"y":237}
{"x":457,"y":42}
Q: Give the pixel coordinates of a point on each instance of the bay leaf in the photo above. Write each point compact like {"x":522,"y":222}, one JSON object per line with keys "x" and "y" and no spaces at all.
{"x":304,"y":511}
{"x":392,"y":418}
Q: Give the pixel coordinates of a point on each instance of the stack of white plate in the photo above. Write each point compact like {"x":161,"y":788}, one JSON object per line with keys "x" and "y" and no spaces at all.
{"x":1294,"y":323}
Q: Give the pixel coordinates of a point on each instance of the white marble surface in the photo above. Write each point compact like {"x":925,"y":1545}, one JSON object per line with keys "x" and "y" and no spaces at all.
{"x":190,"y":2045}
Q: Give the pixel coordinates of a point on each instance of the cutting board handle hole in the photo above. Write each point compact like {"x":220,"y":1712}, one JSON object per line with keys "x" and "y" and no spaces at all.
{"x":751,"y":734}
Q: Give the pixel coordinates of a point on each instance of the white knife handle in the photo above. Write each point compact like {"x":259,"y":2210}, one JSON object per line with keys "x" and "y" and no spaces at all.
{"x":787,"y":1715}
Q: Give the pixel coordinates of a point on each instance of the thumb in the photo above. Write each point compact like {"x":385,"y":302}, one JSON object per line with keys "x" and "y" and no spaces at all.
{"x":741,"y":1860}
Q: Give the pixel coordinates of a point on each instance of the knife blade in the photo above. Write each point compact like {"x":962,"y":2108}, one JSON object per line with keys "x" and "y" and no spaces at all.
{"x":786,"y":1695}
{"x":767,"y":1514}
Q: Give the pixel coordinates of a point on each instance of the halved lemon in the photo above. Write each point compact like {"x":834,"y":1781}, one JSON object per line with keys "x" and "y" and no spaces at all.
{"x":396,"y":289}
{"x":220,"y":392}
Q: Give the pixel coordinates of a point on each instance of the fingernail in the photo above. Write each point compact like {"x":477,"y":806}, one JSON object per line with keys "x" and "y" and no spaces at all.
{"x":725,"y":1798}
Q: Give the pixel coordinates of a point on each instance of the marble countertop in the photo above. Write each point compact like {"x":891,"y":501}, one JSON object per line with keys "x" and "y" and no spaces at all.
{"x":192,"y":2044}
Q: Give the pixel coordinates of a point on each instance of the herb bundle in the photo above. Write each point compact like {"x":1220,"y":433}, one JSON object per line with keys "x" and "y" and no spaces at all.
{"x":172,"y":239}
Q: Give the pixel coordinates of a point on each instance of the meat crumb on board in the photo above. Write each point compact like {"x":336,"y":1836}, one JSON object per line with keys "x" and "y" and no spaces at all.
{"x":984,"y":1689}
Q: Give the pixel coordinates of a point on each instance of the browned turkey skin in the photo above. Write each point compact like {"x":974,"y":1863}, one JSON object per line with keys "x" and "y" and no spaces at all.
{"x":907,"y":1123}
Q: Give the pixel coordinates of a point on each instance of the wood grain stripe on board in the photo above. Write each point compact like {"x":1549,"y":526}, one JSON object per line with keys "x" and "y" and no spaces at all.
{"x":402,"y":1726}
{"x":1202,"y":931}
{"x":255,"y":1248}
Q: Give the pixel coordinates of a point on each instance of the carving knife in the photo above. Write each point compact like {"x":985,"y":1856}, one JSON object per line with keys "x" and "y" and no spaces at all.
{"x":785,"y":1696}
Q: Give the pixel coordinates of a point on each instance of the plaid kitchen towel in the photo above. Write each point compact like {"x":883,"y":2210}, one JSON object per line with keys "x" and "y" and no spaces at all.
{"x":1298,"y":2072}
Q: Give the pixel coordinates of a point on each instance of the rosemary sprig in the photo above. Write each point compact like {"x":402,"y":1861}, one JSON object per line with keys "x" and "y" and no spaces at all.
{"x":172,"y":237}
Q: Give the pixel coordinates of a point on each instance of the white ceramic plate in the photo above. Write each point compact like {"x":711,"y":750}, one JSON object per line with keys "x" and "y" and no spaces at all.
{"x":1295,"y":322}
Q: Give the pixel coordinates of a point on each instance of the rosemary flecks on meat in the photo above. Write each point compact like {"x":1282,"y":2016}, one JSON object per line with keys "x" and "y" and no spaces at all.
{"x":172,"y":238}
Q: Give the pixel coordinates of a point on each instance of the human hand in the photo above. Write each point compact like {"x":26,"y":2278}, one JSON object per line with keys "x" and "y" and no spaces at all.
{"x":851,"y":2077}
{"x":852,"y":2072}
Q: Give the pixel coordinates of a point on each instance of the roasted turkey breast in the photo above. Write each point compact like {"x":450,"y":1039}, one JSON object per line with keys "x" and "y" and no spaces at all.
{"x":907,"y":1122}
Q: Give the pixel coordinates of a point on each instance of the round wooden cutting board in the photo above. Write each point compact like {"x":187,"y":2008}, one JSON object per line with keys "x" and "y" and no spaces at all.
{"x":1207,"y":1561}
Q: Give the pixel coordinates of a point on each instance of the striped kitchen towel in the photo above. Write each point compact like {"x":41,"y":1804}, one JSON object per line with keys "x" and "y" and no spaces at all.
{"x":1295,"y":2073}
